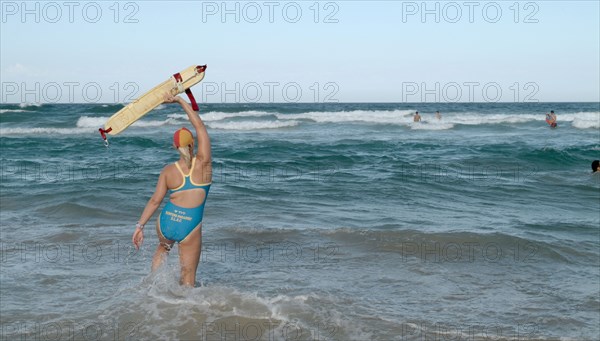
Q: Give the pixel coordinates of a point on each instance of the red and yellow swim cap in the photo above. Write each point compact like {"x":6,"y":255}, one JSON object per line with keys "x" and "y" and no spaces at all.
{"x":183,"y":137}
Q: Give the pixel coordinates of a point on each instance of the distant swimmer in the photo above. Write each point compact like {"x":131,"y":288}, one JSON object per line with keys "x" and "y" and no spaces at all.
{"x":438,"y":115}
{"x":551,"y":119}
{"x":187,"y":181}
{"x":596,"y":166}
{"x":417,"y":117}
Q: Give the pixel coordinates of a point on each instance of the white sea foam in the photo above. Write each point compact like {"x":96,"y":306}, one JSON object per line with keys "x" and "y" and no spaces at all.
{"x":293,"y":314}
{"x":252,"y":125}
{"x":581,"y":120}
{"x":587,"y":120}
{"x":393,"y":116}
{"x":431,"y":126}
{"x":25,"y":105}
{"x":404,"y":117}
{"x":584,"y":120}
{"x":91,"y":122}
{"x":219,"y":120}
{"x":218,"y":116}
{"x":45,"y":131}
{"x":479,"y":119}
{"x":221,"y":301}
{"x":178,"y":116}
{"x":96,"y":122}
{"x":142,"y":123}
{"x":2,"y":111}
{"x":84,"y":125}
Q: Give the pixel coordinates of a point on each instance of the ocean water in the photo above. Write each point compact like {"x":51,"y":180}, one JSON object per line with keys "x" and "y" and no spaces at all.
{"x":324,"y":222}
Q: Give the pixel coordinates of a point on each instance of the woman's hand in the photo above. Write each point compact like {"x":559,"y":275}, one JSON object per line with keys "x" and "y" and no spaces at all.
{"x":168,"y":98}
{"x":138,"y":238}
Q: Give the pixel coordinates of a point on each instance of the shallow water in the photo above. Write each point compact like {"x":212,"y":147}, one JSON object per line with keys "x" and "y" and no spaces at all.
{"x":338,"y":221}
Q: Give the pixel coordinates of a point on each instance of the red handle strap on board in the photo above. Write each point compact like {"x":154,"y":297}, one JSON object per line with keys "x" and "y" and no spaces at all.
{"x":103,"y":132}
{"x":188,"y":92}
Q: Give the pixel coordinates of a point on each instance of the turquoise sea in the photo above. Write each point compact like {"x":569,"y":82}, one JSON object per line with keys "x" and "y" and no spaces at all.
{"x":324,"y":222}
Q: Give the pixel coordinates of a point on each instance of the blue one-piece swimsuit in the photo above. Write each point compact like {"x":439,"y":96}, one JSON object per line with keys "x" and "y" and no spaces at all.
{"x":177,"y":222}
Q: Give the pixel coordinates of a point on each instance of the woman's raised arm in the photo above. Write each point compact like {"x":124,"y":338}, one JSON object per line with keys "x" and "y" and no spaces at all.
{"x":203,"y":153}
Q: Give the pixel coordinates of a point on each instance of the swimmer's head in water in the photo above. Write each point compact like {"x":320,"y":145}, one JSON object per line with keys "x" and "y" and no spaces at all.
{"x":595,"y":165}
{"x":183,"y":137}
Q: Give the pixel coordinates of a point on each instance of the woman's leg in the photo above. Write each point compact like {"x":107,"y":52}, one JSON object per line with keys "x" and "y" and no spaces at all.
{"x":163,"y":248}
{"x":189,"y":256}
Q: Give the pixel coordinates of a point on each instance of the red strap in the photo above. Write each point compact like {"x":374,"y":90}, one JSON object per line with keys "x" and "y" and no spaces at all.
{"x":178,"y":78}
{"x":103,"y":132}
{"x":188,"y":92}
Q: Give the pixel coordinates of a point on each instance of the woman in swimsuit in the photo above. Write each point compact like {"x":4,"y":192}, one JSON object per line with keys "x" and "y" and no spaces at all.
{"x":188,"y":181}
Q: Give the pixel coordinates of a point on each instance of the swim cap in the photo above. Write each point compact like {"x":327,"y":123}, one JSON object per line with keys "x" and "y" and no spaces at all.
{"x":183,"y":137}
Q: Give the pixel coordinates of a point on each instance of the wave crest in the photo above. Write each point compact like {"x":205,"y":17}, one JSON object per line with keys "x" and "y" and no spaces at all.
{"x":252,"y":125}
{"x":2,"y":111}
{"x":46,"y":131}
{"x":393,"y":116}
{"x":587,"y":121}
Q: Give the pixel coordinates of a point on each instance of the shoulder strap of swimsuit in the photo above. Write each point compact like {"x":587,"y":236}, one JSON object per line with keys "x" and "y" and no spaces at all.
{"x":179,"y":168}
{"x":193,"y":164}
{"x":191,"y":168}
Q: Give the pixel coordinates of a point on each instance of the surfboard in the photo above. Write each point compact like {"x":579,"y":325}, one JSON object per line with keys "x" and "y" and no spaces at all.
{"x":176,"y":84}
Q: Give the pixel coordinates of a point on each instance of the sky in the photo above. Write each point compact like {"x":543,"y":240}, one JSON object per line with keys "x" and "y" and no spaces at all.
{"x":303,"y":51}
